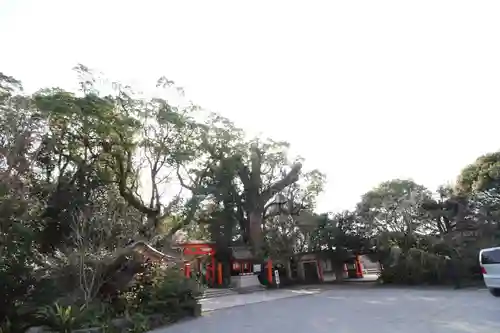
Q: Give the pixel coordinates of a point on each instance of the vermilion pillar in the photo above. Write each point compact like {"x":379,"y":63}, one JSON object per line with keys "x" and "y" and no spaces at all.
{"x":219,"y":274}
{"x":359,"y":268}
{"x":269,"y":271}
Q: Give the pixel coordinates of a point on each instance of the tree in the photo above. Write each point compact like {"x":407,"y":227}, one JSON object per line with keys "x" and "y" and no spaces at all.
{"x":93,"y":178}
{"x":289,"y":221}
{"x":61,"y":155}
{"x":448,"y":210}
{"x":73,"y":156}
{"x":483,"y":174}
{"x":20,"y":259}
{"x":138,"y":143}
{"x":167,"y":143}
{"x":261,"y":170}
{"x":478,"y":186}
{"x":338,"y":232}
{"x":394,"y":206}
{"x":264,"y":174}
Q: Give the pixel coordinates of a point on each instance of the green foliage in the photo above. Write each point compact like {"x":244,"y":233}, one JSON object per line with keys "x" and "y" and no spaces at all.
{"x":18,"y":258}
{"x":416,"y":267}
{"x":394,"y":206}
{"x":400,"y":218}
{"x":340,"y":231}
{"x":60,"y":318}
{"x":68,"y":190}
{"x":73,"y":165}
{"x":160,"y":290}
{"x":157,"y":297}
{"x":483,"y":174}
{"x":96,"y":314}
{"x":140,"y":323}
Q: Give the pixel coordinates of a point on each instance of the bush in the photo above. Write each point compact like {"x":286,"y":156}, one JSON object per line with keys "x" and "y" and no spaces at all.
{"x":416,"y":267}
{"x":62,"y":318}
{"x":17,"y":273}
{"x":160,"y":290}
{"x":157,"y":296}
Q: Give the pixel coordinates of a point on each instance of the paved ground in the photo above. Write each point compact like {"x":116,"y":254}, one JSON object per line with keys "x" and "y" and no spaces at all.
{"x":230,"y":301}
{"x":354,"y":309}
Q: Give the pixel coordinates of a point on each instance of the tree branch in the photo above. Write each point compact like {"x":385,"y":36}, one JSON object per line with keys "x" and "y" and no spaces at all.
{"x":244,"y":174}
{"x":256,"y":162}
{"x":278,"y":186}
{"x":193,"y":207}
{"x":124,"y":168}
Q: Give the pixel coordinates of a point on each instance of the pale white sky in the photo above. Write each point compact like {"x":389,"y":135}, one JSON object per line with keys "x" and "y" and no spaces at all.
{"x":365,"y":90}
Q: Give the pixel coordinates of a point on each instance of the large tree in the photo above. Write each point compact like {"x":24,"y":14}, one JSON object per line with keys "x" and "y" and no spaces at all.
{"x":251,"y":174}
{"x":264,"y":173}
{"x":394,"y":206}
{"x":290,"y":220}
{"x":483,"y":174}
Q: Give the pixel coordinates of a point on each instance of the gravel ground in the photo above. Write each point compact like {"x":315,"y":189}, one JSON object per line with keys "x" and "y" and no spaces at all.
{"x":353,"y":309}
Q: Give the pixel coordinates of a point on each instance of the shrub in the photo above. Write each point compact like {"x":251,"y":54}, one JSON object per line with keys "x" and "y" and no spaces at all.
{"x":61,"y":318}
{"x":416,"y":267}
{"x":160,"y":290}
{"x":17,"y":273}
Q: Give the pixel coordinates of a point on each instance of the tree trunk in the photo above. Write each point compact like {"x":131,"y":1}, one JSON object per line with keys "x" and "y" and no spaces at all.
{"x":258,"y":196}
{"x":255,"y":221}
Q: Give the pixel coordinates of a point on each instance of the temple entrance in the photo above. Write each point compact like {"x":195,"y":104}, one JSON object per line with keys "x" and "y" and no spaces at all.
{"x":311,"y":272}
{"x":241,"y":270}
{"x":202,"y":268}
{"x":199,"y":262}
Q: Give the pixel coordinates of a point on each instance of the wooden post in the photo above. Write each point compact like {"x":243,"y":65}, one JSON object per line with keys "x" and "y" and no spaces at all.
{"x":219,"y":274}
{"x":269,"y":271}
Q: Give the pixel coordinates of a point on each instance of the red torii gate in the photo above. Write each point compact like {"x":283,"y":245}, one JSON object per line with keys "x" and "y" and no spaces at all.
{"x":214,"y":271}
{"x":198,"y":248}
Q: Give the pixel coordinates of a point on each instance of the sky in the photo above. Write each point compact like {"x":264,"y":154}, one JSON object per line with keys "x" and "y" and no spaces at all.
{"x":366,"y":91}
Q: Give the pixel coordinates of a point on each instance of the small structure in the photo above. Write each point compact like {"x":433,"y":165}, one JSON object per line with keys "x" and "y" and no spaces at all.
{"x":308,"y":267}
{"x":244,"y":268}
{"x":321,"y":266}
{"x":200,"y":259}
{"x":199,"y":256}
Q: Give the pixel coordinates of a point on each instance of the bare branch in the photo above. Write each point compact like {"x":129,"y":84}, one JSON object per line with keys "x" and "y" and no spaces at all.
{"x":281,"y":184}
